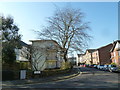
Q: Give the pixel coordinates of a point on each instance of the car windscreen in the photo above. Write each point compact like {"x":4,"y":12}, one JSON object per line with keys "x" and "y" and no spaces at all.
{"x":113,"y":65}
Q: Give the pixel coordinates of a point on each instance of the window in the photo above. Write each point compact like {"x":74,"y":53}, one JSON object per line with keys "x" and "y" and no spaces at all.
{"x":114,"y":54}
{"x":114,"y":61}
{"x":118,"y":53}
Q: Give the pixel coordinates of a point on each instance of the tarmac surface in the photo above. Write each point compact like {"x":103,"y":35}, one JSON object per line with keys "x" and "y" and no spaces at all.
{"x":83,"y":78}
{"x":74,"y":72}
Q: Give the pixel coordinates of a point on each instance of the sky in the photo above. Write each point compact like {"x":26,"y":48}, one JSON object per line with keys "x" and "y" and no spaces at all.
{"x":29,"y":16}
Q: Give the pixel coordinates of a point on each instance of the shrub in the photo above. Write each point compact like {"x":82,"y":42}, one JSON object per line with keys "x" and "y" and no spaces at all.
{"x":29,"y":74}
{"x":14,"y":66}
{"x":65,"y":65}
{"x":54,"y":72}
{"x":9,"y":75}
{"x":113,"y":64}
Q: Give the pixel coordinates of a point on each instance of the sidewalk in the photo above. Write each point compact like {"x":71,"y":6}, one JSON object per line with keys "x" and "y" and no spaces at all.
{"x":73,"y":73}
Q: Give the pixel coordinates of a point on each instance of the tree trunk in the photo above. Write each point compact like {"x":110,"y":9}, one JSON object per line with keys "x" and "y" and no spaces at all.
{"x":65,"y":56}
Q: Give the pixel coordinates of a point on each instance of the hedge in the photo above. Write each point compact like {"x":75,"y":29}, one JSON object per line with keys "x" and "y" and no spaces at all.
{"x":15,"y":75}
{"x":10,"y":75}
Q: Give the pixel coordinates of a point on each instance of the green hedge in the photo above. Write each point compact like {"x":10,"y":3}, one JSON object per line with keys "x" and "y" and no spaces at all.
{"x":12,"y":73}
{"x":16,"y":66}
{"x":15,"y":75}
{"x":47,"y":73}
{"x":66,"y":65}
{"x":113,"y":64}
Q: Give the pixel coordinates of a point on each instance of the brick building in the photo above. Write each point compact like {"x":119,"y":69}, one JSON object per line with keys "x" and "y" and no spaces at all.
{"x":80,"y":58}
{"x":115,"y":53}
{"x":95,"y":57}
{"x":100,"y":56}
{"x":88,"y":56}
{"x":104,"y":54}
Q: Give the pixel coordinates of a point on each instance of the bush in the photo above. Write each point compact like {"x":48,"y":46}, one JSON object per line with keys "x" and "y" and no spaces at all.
{"x":53,"y":72}
{"x":15,"y":75}
{"x":12,"y":67}
{"x":112,"y":64}
{"x":66,"y":65}
{"x":29,"y":74}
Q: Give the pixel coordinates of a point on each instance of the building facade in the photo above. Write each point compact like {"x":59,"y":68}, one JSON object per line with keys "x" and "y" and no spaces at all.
{"x":23,"y":53}
{"x":80,"y":59}
{"x":115,"y":53}
{"x":72,"y":60}
{"x":98,"y":56}
{"x":104,"y":54}
{"x":88,"y":56}
{"x":46,"y":54}
{"x":95,"y":57}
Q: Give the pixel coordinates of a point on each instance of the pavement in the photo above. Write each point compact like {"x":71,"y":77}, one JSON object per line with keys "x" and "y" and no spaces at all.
{"x":74,"y":72}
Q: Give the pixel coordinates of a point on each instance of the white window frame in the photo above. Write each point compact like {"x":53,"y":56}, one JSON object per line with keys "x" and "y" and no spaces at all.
{"x":114,"y":54}
{"x":118,"y":53}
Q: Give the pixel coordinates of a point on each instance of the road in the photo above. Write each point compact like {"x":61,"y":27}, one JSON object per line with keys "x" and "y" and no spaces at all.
{"x":89,"y":78}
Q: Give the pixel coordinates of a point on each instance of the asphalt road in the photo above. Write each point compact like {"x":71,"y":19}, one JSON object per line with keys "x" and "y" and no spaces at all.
{"x":89,"y":78}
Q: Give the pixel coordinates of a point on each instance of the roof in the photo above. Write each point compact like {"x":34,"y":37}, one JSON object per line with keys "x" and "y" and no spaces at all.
{"x":41,"y":40}
{"x":45,"y":41}
{"x":90,"y":50}
{"x":23,"y":43}
{"x":80,"y":55}
{"x":114,"y":44}
{"x":104,"y":46}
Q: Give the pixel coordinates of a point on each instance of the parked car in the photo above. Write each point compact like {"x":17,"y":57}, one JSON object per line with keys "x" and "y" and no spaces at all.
{"x":105,"y":67}
{"x":101,"y":67}
{"x":113,"y":68}
{"x":81,"y":65}
{"x":91,"y":66}
{"x":98,"y":66}
{"x":87,"y":65}
{"x":84,"y":65}
{"x":95,"y":66}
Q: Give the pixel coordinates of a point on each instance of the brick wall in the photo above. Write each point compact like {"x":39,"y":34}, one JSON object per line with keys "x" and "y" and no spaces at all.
{"x":115,"y":57}
{"x":95,"y":57}
{"x":104,"y":54}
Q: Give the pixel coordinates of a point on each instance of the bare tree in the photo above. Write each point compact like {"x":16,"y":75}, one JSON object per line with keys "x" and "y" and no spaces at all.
{"x":37,"y":55}
{"x":33,"y":54}
{"x":67,"y":27}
